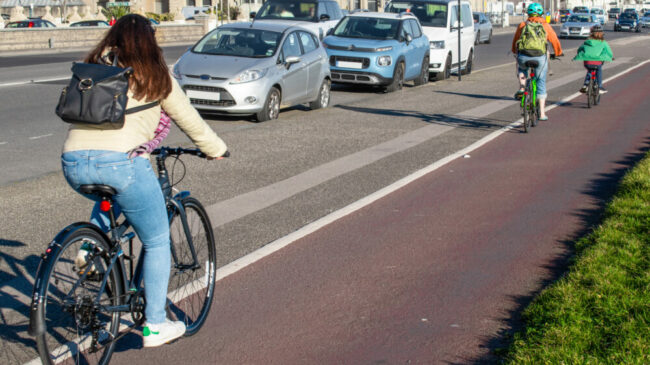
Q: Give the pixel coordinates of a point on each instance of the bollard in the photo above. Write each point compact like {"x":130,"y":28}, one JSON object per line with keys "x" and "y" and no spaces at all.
{"x":50,"y":43}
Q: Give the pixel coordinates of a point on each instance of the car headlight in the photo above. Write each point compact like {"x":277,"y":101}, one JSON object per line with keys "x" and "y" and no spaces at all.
{"x":383,"y":49}
{"x":175,"y":72}
{"x":384,"y":60}
{"x":248,"y":76}
{"x":437,"y":44}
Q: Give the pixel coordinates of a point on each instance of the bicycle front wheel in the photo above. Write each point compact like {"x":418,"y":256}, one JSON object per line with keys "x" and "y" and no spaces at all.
{"x":78,"y":329}
{"x":191,"y":283}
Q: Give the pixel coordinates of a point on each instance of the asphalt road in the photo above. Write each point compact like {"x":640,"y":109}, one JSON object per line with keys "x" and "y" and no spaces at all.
{"x":283,"y":175}
{"x":438,"y":271}
{"x":32,"y":135}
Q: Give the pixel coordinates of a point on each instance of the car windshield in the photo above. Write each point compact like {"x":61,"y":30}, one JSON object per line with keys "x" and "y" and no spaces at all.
{"x":626,"y":16}
{"x":615,"y":10}
{"x":429,"y":14}
{"x":366,"y":27}
{"x":596,"y":11}
{"x":291,"y":10}
{"x":580,"y":19}
{"x":245,"y":42}
{"x":565,"y":11}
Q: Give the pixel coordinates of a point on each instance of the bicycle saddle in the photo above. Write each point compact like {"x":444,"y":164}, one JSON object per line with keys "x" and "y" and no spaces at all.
{"x":103,"y":191}
{"x":532,"y":63}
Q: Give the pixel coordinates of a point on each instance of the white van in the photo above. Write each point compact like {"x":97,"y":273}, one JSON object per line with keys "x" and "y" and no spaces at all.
{"x":439,"y":20}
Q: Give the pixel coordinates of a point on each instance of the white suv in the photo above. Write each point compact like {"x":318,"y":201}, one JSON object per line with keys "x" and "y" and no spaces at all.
{"x":438,"y":19}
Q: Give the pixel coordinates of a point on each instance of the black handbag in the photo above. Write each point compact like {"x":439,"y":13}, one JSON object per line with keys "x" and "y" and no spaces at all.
{"x":97,"y":94}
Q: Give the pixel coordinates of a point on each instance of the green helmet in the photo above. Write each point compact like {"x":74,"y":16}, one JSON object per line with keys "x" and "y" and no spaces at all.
{"x":535,"y":8}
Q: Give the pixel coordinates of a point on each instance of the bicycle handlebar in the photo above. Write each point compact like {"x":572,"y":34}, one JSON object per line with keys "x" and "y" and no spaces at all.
{"x":177,"y":151}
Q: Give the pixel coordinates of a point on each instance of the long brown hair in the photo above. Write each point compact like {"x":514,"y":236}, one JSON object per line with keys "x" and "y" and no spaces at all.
{"x":132,"y":40}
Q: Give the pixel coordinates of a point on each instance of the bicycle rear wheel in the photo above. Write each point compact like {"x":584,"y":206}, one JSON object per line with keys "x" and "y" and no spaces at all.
{"x":534,"y":114}
{"x":78,"y":330}
{"x":590,"y":93}
{"x":526,"y":112}
{"x":596,"y":94}
{"x":191,"y":288}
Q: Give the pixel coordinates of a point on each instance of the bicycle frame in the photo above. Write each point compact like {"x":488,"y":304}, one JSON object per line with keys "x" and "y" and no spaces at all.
{"x":531,"y":83}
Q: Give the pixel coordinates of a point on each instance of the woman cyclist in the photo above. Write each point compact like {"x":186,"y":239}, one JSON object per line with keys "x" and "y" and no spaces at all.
{"x":594,"y":52}
{"x":94,"y":155}
{"x":528,"y":49}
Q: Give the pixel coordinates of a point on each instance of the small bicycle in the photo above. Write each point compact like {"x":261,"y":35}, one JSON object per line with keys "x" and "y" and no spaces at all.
{"x":80,"y":308}
{"x":593,"y":90}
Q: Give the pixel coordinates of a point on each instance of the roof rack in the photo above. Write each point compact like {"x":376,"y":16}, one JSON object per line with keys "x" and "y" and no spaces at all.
{"x":359,"y":11}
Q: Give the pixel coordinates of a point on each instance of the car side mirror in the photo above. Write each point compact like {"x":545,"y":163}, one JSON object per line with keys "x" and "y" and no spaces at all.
{"x":454,"y":25}
{"x":330,"y":31}
{"x":291,"y":60}
{"x":252,"y":14}
{"x":409,"y":38}
{"x":324,"y":17}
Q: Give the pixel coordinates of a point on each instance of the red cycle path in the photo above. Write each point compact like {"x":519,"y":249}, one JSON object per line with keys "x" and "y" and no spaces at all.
{"x":434,"y":272}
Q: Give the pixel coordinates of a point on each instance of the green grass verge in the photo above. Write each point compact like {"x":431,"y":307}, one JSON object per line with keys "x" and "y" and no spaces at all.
{"x":599,"y":311}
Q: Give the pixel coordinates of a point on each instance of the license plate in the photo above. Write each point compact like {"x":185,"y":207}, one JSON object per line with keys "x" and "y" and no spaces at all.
{"x":206,"y":95}
{"x":624,"y":27}
{"x":348,"y":64}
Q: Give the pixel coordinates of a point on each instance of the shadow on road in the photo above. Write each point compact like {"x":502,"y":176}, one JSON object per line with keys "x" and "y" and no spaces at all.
{"x":16,"y":345}
{"x":457,"y":121}
{"x":476,"y":96}
{"x":601,"y":190}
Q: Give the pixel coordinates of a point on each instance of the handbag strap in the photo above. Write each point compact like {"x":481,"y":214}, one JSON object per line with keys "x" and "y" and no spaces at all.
{"x":141,"y":108}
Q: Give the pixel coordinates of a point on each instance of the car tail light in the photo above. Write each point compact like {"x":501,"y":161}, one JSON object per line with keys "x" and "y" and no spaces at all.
{"x":30,"y":25}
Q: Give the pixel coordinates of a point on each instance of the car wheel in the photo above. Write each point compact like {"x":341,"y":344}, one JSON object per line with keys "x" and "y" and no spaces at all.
{"x":398,"y":79}
{"x":423,"y":78}
{"x":446,"y":72}
{"x":478,"y":38}
{"x":323,"y":99}
{"x":489,"y":40}
{"x":468,"y":64}
{"x":271,"y":108}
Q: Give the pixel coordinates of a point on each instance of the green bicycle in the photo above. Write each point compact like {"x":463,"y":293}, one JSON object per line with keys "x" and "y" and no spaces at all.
{"x":529,"y":106}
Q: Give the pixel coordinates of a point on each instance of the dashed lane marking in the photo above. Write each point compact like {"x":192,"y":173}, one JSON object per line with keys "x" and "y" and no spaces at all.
{"x":39,"y":137}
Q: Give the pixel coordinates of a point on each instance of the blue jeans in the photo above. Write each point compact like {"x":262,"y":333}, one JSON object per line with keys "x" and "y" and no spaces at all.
{"x":141,"y":200}
{"x":599,"y":75}
{"x":540,"y":71}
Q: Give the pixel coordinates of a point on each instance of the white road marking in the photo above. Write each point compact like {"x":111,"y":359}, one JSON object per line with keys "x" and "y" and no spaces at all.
{"x":26,"y":82}
{"x":39,"y":137}
{"x":1,"y":143}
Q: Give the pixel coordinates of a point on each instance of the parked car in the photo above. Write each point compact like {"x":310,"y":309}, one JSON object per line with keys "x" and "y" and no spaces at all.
{"x":483,"y":28}
{"x":439,"y":23}
{"x":613,"y":13}
{"x":599,"y":14}
{"x":255,"y":68}
{"x":627,"y":21}
{"x":319,"y":16}
{"x":565,"y":14}
{"x":645,"y":20}
{"x":90,"y":23}
{"x":383,"y":49}
{"x":31,"y":23}
{"x":578,"y":25}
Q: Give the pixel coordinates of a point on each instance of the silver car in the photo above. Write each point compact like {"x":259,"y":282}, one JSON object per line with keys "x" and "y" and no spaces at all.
{"x":251,"y":68}
{"x":578,"y":25}
{"x":645,"y":20}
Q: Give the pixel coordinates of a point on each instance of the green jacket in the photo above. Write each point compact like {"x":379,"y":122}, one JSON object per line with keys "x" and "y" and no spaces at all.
{"x":594,"y":50}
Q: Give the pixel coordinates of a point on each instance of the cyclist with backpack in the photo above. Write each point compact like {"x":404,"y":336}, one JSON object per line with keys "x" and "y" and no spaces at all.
{"x":595,"y":52}
{"x":529,"y":43}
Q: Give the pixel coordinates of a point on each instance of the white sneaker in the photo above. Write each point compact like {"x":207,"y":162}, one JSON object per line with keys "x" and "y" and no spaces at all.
{"x":158,"y":334}
{"x":81,"y":261}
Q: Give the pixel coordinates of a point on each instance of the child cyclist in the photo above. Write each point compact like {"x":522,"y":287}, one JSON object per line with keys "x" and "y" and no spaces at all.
{"x":594,"y":52}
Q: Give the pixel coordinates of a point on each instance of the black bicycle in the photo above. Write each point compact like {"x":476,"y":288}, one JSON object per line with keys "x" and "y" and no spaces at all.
{"x":86,"y":298}
{"x":593,"y":90}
